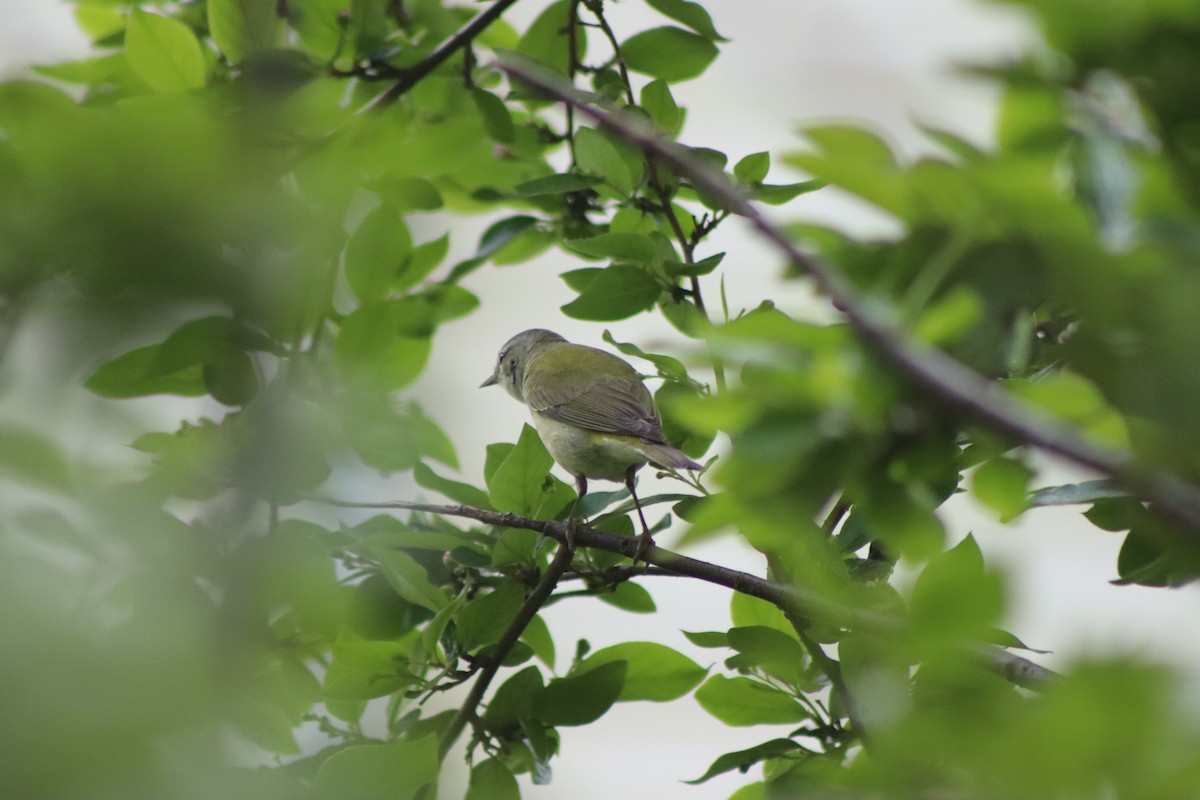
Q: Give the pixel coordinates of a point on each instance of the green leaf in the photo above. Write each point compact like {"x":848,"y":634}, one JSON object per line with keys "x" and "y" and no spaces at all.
{"x":497,"y":120}
{"x":630,"y":597}
{"x":744,"y":701}
{"x":547,"y":41}
{"x":492,"y":780}
{"x":742,"y":760}
{"x":691,"y":14}
{"x":129,"y":375}
{"x":668,"y":366}
{"x":707,"y":638}
{"x":1072,"y":493}
{"x":633,"y":247}
{"x":595,"y":155}
{"x":516,"y":546}
{"x":618,"y":292}
{"x":654,"y":672}
{"x":409,"y":579}
{"x":657,"y":101}
{"x":243,"y":27}
{"x":377,"y":253}
{"x":1002,"y":485}
{"x":371,"y":352}
{"x":366,"y":670}
{"x":519,"y":482}
{"x":537,"y":636}
{"x":556,"y":184}
{"x":483,"y":620}
{"x":753,"y":168}
{"x":459,"y":492}
{"x":747,"y":611}
{"x":772,"y":650}
{"x":955,"y":598}
{"x":578,"y":279}
{"x":164,"y":52}
{"x":395,"y":771}
{"x":580,"y":699}
{"x":778,"y":194}
{"x":231,"y":379}
{"x":514,"y":699}
{"x":405,"y":193}
{"x":669,"y":53}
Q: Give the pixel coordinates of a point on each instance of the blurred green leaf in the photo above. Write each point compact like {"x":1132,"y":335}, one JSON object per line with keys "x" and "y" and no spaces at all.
{"x":492,"y":780}
{"x":1002,"y":485}
{"x":164,"y":52}
{"x":657,"y":101}
{"x":556,"y":184}
{"x":363,"y":670}
{"x":377,"y":253}
{"x":632,"y":247}
{"x":243,"y":27}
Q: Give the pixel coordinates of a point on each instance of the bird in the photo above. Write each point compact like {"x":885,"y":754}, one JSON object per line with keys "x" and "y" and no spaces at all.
{"x":592,"y":412}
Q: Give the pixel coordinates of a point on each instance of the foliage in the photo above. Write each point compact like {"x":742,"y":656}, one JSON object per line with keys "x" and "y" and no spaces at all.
{"x":219,"y":204}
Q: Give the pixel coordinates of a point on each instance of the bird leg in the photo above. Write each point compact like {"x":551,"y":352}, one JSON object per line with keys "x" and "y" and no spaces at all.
{"x":645,"y":541}
{"x":572,"y":520}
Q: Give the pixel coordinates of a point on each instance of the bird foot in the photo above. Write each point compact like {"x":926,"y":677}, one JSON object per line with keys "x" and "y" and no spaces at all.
{"x":645,"y":542}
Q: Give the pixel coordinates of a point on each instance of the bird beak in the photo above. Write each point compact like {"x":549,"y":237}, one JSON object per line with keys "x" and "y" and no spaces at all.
{"x":492,"y":380}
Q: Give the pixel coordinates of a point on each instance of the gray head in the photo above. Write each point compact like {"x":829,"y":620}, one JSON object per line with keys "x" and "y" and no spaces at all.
{"x":510,"y":364}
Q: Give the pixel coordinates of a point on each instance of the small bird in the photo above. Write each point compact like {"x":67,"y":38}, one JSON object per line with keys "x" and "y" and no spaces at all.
{"x":590,"y":408}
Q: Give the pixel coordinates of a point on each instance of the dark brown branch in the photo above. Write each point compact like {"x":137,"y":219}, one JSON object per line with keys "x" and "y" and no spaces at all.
{"x":411,"y":76}
{"x":793,"y":600}
{"x":497,"y":654}
{"x":935,"y":371}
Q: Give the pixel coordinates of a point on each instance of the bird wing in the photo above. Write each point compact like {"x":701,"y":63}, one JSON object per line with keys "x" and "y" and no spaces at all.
{"x":608,"y":405}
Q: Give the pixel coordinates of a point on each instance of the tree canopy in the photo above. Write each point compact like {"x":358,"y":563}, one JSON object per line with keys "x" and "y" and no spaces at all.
{"x":232,"y":222}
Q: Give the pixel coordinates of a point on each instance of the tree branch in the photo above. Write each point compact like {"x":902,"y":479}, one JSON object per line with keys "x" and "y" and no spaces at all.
{"x":411,"y":76}
{"x":790,"y":599}
{"x":947,"y":379}
{"x":496,"y":655}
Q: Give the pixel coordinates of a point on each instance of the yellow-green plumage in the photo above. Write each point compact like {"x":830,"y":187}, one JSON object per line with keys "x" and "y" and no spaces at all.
{"x":592,"y":411}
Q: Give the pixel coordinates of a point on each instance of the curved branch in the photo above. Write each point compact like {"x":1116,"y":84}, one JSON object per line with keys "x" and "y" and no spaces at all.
{"x":495,"y":657}
{"x":411,"y":76}
{"x":790,"y":599}
{"x":944,"y":377}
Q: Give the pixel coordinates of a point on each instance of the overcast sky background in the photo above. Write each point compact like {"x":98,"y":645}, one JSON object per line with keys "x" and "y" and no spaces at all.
{"x":881,"y":63}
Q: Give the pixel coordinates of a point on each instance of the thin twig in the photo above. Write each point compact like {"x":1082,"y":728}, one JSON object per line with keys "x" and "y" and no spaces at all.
{"x":411,"y":76}
{"x":938,"y":373}
{"x":496,"y":655}
{"x":789,"y":598}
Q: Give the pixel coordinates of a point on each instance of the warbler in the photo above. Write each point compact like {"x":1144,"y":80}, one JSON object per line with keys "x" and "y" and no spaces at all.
{"x":590,"y":408}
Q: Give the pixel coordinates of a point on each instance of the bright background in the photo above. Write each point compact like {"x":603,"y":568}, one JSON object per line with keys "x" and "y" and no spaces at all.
{"x":877,"y":62}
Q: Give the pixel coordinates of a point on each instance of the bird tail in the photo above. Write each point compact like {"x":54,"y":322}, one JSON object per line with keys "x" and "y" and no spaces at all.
{"x":664,"y":456}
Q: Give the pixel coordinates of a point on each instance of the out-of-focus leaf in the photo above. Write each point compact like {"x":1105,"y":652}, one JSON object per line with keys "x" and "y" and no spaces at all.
{"x":164,"y":52}
{"x":243,"y":27}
